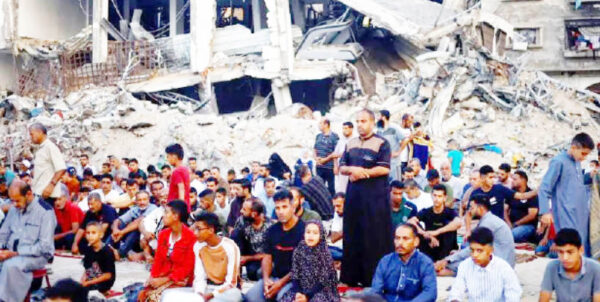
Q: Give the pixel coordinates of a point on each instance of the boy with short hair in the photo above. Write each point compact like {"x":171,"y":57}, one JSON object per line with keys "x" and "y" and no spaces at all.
{"x":98,"y":261}
{"x":573,"y":277}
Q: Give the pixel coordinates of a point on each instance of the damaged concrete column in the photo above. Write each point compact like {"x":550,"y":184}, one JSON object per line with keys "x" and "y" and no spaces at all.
{"x":99,"y":34}
{"x":203,"y":14}
{"x":279,"y":55}
{"x":258,"y":20}
{"x":175,"y":25}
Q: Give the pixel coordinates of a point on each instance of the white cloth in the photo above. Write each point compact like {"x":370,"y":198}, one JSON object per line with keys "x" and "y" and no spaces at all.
{"x":337,"y":225}
{"x":83,"y":205}
{"x":198,"y":185}
{"x":421,"y":179}
{"x":423,"y":201}
{"x":223,"y":212}
{"x":106,"y":198}
{"x":152,"y":220}
{"x":457,"y":186}
{"x":187,"y":294}
{"x":48,"y":160}
{"x":233,"y":265}
{"x":497,"y":282}
{"x":404,"y":154}
{"x":341,"y":181}
{"x":79,"y":170}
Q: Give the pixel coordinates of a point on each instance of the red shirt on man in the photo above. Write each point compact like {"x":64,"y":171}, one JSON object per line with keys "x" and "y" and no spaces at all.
{"x":70,"y":214}
{"x":180,"y":175}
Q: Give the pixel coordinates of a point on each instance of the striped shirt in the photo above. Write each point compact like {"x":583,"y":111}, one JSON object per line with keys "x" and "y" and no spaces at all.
{"x":325,"y":145}
{"x":218,"y":264}
{"x":497,"y":282}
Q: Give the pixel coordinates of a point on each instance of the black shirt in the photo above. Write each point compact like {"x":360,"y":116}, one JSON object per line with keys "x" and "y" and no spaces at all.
{"x":99,"y":263}
{"x":498,"y":195}
{"x":281,"y":244}
{"x":520,"y":208}
{"x":435,"y":221}
{"x":106,"y":215}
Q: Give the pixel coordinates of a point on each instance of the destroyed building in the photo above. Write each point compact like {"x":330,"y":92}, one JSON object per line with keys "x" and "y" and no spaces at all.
{"x":248,"y":74}
{"x":563,"y":37}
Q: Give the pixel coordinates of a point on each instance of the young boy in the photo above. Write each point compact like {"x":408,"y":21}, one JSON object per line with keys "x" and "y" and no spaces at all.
{"x":98,"y":261}
{"x":222,"y":205}
{"x":455,"y":157}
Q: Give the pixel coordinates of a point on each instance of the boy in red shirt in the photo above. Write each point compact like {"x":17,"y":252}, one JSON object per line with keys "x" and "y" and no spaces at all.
{"x":179,"y":183}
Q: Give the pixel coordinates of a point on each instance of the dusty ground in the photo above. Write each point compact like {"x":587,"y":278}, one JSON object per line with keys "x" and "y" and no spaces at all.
{"x":530,"y":274}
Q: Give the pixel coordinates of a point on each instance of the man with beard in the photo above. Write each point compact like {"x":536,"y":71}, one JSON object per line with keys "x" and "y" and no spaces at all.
{"x":406,"y":274}
{"x":243,"y":191}
{"x":304,"y":214}
{"x":250,"y":237}
{"x":280,"y":243}
{"x":367,"y":222}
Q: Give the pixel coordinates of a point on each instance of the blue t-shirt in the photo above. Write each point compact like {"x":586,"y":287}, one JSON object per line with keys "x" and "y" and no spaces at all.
{"x":9,"y":175}
{"x":457,"y":157}
{"x":499,"y":195}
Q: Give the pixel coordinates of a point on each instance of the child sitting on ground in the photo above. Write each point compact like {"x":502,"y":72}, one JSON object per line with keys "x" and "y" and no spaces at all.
{"x":313,"y":275}
{"x":98,"y":261}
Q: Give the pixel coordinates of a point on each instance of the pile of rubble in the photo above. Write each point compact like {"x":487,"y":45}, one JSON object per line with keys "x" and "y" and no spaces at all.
{"x":107,"y":121}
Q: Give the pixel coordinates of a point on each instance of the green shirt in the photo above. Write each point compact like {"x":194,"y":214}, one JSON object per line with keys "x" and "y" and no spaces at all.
{"x":310,"y":215}
{"x":407,"y":210}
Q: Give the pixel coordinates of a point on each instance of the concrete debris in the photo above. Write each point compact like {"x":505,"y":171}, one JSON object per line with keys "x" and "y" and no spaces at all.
{"x":444,"y":65}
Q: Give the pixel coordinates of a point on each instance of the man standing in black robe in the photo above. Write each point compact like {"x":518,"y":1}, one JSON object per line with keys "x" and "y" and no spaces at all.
{"x":367,"y":217}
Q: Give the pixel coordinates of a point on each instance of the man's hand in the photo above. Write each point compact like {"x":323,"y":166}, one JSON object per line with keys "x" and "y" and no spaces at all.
{"x":156,"y":282}
{"x":358,"y":173}
{"x":440,"y":265}
{"x":267,"y":286}
{"x":75,"y":249}
{"x":543,"y":242}
{"x":274,"y":289}
{"x":300,"y":298}
{"x":433,"y":233}
{"x":6,"y":254}
{"x":117,"y":235}
{"x":149,"y":236}
{"x":243,"y":260}
{"x":547,"y":219}
{"x":434,"y":242}
{"x":48,"y":191}
{"x":336,"y":170}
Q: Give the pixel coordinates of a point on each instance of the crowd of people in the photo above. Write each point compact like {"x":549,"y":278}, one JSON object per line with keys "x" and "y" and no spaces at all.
{"x":364,"y":211}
